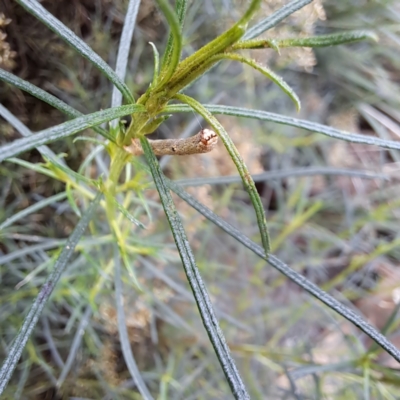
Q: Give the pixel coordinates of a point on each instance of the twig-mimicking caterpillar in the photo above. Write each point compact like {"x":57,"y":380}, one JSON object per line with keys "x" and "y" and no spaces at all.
{"x":203,"y":142}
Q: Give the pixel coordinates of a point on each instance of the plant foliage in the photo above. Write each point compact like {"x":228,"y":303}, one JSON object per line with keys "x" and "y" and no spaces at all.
{"x":171,"y":77}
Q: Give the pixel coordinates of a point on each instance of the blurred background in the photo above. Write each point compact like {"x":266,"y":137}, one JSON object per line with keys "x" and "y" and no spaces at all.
{"x":339,"y":231}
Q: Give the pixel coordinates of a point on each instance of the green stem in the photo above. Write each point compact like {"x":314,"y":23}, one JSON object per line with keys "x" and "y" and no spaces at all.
{"x":118,"y":162}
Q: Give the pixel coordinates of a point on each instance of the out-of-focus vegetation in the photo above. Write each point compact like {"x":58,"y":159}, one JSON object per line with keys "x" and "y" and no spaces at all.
{"x":340,"y":231}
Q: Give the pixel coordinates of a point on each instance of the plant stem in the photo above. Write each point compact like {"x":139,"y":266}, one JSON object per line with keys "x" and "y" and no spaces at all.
{"x":117,"y":164}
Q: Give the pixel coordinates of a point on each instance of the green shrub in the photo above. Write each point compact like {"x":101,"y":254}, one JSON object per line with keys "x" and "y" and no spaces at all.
{"x":148,"y":112}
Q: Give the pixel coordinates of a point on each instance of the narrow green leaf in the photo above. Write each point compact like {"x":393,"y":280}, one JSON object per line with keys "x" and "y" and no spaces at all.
{"x":90,"y":140}
{"x":128,"y":215}
{"x":156,"y":64}
{"x":75,"y":346}
{"x":298,"y":123}
{"x":268,"y":73}
{"x":172,"y":53}
{"x":33,"y":167}
{"x":38,"y":93}
{"x":36,"y":9}
{"x":314,"y":41}
{"x":71,"y":200}
{"x":56,"y":167}
{"x":366,"y":381}
{"x":248,"y":15}
{"x":20,"y":253}
{"x":86,"y":162}
{"x":123,"y":331}
{"x":180,"y":9}
{"x":328,"y":40}
{"x":283,"y":174}
{"x":47,"y":98}
{"x":66,"y":129}
{"x":34,"y":313}
{"x":31,"y":209}
{"x":256,"y":44}
{"x":26,"y":132}
{"x":275,"y":18}
{"x":53,"y":162}
{"x":240,"y":165}
{"x":202,"y":298}
{"x":388,"y":324}
{"x":190,"y":64}
{"x":131,"y":270}
{"x":294,"y":276}
{"x":123,"y":49}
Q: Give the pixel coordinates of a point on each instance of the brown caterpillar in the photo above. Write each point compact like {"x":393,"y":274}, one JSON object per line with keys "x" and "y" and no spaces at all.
{"x":203,"y":142}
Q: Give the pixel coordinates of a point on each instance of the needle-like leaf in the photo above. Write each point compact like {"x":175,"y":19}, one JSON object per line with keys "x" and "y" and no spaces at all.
{"x":123,"y":49}
{"x":66,"y":129}
{"x":268,"y":73}
{"x":180,"y":8}
{"x":47,"y":98}
{"x":240,"y":165}
{"x":123,"y":331}
{"x":281,"y":119}
{"x":333,"y":39}
{"x":190,"y":64}
{"x":300,"y":280}
{"x":34,"y":313}
{"x":174,"y":46}
{"x":275,"y":18}
{"x":199,"y":290}
{"x":36,"y":9}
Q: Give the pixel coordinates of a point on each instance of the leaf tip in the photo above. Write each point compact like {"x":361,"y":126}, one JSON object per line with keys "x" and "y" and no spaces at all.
{"x":298,"y":104}
{"x":372,"y":36}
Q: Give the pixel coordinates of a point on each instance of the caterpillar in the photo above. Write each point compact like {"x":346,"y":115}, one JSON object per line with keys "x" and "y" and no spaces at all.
{"x":202,"y":142}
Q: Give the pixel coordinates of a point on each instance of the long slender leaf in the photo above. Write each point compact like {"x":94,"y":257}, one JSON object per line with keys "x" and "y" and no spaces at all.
{"x":31,"y":209}
{"x":268,"y":73}
{"x":333,"y":39}
{"x":27,"y":250}
{"x":47,"y":98}
{"x":188,"y":295}
{"x":123,"y":49}
{"x":174,"y":47}
{"x":56,"y":163}
{"x":33,"y":315}
{"x":289,"y":173}
{"x":298,"y":123}
{"x":219,"y":44}
{"x":128,"y":215}
{"x":123,"y":331}
{"x":66,"y":129}
{"x":180,"y":8}
{"x":33,"y":167}
{"x":300,"y":280}
{"x":36,"y":9}
{"x":240,"y":165}
{"x":156,"y":64}
{"x":202,"y":298}
{"x":26,"y":132}
{"x":76,"y":344}
{"x":388,"y":324}
{"x":275,"y":18}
